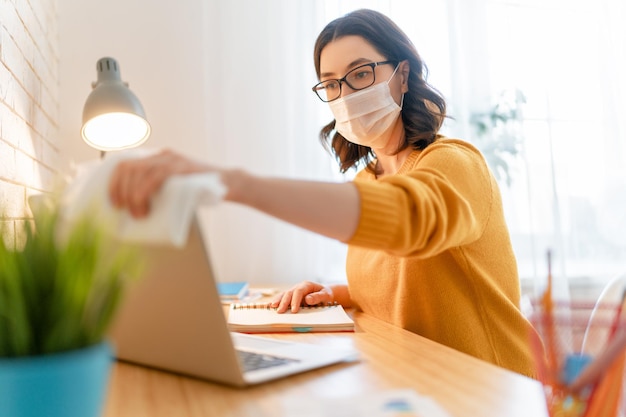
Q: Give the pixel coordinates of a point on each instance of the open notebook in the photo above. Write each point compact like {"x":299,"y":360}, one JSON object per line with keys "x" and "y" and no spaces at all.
{"x":173,"y":320}
{"x":261,"y":318}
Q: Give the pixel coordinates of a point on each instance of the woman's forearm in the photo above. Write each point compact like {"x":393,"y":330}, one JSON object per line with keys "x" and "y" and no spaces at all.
{"x":330,"y":209}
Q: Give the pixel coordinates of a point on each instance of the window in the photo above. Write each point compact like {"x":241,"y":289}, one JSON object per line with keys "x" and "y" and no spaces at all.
{"x":568,"y":187}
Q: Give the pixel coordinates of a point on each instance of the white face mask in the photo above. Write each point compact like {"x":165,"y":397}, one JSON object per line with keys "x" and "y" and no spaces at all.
{"x":364,"y":117}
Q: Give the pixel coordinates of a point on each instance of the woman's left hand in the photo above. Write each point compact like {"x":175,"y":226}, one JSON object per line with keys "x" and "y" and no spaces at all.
{"x":305,"y":293}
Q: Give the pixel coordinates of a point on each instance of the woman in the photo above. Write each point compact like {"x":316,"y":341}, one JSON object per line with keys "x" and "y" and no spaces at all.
{"x":429,"y":249}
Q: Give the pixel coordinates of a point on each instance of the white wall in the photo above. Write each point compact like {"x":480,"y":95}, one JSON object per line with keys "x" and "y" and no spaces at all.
{"x":29,"y":107}
{"x":158,"y":45}
{"x":225,"y":81}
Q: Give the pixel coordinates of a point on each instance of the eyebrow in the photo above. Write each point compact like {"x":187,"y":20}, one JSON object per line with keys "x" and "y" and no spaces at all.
{"x":356,"y":62}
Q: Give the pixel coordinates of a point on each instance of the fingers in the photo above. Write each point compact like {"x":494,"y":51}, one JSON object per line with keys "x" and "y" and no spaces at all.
{"x":286,"y":301}
{"x":134,"y":182}
{"x":320,"y":297}
{"x":306,"y":293}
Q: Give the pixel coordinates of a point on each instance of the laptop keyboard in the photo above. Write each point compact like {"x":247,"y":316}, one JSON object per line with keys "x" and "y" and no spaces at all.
{"x":253,"y":361}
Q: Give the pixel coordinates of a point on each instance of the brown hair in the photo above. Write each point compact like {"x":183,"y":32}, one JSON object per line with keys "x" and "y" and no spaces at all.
{"x":423,"y":108}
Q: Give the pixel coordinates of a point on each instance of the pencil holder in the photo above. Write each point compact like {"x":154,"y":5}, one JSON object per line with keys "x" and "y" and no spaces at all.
{"x":579,"y":357}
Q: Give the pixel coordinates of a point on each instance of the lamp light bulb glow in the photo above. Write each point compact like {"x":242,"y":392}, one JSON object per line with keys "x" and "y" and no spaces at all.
{"x":113,"y":131}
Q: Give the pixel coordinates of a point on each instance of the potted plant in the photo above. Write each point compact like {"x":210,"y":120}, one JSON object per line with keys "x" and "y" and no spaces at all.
{"x":59,"y":291}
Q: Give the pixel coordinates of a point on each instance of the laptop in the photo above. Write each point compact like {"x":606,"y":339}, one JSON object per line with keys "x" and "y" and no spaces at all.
{"x":173,"y":319}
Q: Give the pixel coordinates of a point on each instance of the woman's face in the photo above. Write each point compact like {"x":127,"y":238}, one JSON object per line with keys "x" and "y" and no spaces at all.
{"x":348,"y":52}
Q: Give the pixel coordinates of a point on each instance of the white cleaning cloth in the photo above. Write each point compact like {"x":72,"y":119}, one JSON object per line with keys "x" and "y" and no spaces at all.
{"x":172,"y":209}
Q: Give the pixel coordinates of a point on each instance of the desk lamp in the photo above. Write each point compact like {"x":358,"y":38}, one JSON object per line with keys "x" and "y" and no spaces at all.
{"x":113,"y":117}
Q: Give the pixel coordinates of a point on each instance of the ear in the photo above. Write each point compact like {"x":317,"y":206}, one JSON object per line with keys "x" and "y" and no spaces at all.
{"x":404,"y":70}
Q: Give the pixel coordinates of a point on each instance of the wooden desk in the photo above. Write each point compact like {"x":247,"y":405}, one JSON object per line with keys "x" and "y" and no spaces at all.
{"x":392,"y":358}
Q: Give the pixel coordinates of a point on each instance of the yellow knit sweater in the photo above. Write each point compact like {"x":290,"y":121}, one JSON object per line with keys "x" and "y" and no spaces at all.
{"x":432,"y":254}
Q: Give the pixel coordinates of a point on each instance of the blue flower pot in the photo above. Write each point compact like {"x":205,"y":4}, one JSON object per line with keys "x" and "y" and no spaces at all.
{"x":66,"y":384}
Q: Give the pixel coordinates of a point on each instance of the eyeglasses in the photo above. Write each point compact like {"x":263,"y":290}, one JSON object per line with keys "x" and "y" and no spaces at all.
{"x":357,"y":78}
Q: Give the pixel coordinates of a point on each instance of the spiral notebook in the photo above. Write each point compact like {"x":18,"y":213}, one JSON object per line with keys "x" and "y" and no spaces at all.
{"x":261,"y":318}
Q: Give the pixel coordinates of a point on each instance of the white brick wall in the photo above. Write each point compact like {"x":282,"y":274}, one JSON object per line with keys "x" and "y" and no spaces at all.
{"x":29,"y":107}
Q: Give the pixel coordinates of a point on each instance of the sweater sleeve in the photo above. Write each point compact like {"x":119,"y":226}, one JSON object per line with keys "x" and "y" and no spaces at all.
{"x":440,"y":199}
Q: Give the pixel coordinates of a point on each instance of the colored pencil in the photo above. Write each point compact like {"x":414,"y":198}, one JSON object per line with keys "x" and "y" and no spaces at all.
{"x":547,"y":303}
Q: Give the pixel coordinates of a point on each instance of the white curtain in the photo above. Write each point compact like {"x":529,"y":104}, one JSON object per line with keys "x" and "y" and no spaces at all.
{"x":263,"y":117}
{"x":568,"y":192}
{"x":567,"y":58}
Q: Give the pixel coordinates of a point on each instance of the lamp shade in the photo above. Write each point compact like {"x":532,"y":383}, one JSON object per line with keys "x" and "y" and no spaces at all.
{"x":113,"y":117}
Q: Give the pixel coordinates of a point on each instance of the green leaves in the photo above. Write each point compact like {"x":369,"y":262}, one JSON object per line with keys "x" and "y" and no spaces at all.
{"x":498,"y":133}
{"x":61,"y":293}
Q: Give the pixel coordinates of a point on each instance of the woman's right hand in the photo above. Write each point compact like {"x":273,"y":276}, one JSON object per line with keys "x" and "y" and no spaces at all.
{"x":134,"y":181}
{"x":302,"y":294}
